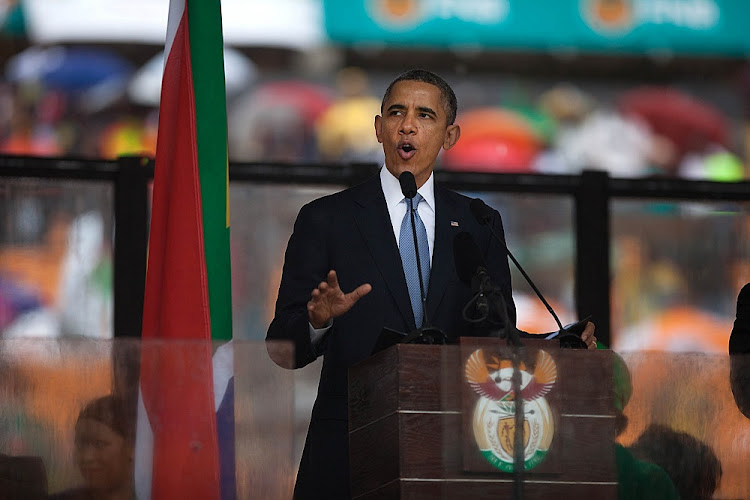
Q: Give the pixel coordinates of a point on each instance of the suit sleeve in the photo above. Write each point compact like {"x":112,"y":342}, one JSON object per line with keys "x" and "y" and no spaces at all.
{"x":305,"y":266}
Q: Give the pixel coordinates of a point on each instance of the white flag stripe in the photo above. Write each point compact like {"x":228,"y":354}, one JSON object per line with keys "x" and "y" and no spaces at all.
{"x":144,"y":453}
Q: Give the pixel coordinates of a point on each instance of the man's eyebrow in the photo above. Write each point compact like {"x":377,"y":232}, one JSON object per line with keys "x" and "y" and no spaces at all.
{"x":421,"y":109}
{"x":428,"y":110}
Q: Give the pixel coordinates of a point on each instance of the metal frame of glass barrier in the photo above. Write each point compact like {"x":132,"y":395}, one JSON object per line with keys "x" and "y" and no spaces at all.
{"x":591,"y":192}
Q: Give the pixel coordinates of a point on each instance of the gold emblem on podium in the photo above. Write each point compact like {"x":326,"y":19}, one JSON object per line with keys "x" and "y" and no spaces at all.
{"x":493,"y":421}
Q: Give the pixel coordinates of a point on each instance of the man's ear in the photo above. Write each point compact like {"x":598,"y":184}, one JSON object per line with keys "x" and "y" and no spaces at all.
{"x":452,"y":133}
{"x":379,"y":128}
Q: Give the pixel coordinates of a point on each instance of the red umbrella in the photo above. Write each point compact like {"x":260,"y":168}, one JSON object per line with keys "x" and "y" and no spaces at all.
{"x":494,"y":140}
{"x":498,"y":123}
{"x":489,"y":154}
{"x":309,"y":99}
{"x":275,"y":120}
{"x":690,"y":124}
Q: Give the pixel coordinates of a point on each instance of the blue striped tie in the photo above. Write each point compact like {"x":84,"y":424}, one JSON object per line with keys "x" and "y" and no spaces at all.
{"x":409,"y":258}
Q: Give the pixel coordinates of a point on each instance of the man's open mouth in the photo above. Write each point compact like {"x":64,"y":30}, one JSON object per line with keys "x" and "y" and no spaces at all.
{"x":406,"y":150}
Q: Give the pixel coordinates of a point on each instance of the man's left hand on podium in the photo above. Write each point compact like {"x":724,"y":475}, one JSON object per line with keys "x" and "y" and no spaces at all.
{"x":588,"y":335}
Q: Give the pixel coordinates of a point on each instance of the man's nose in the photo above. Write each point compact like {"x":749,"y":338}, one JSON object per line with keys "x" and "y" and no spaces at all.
{"x":408,"y":124}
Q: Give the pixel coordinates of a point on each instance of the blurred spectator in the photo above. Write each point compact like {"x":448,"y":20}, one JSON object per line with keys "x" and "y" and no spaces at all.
{"x":28,"y":135}
{"x":693,"y":466}
{"x":637,"y":479}
{"x":104,"y":440}
{"x":345,"y":130}
{"x":604,"y":140}
{"x":568,"y":104}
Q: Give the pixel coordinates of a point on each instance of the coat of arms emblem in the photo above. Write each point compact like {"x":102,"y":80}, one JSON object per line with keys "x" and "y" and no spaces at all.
{"x":493,"y":420}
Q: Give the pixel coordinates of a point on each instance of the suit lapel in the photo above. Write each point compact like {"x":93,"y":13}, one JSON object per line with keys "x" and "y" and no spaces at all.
{"x":442,"y":256}
{"x":374,"y":224}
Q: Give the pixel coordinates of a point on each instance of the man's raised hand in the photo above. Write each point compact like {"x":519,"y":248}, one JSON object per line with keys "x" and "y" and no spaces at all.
{"x":328,"y":301}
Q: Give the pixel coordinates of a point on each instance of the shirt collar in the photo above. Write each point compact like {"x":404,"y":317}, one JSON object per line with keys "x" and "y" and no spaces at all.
{"x":394,"y":196}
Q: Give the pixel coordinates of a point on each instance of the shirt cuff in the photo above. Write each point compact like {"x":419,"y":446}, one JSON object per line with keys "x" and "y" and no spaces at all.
{"x":316,"y":334}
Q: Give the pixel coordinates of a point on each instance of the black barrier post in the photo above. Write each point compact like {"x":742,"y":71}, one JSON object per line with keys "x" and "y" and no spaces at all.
{"x":131,"y":241}
{"x":592,"y":283}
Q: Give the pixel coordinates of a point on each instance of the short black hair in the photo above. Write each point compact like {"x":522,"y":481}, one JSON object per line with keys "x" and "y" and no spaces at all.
{"x":422,"y":75}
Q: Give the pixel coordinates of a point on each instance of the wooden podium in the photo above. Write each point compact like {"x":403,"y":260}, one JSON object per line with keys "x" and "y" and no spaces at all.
{"x":413,"y":424}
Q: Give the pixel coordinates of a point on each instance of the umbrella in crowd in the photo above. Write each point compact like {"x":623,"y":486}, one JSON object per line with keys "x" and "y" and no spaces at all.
{"x":494,"y":139}
{"x":690,"y":124}
{"x":68,"y":68}
{"x":275,"y":121}
{"x":96,"y":76}
{"x":145,"y":87}
{"x":345,"y":132}
{"x":308,"y":99}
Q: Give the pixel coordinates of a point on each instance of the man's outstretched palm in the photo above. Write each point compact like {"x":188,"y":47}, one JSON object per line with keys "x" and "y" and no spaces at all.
{"x":328,"y":301}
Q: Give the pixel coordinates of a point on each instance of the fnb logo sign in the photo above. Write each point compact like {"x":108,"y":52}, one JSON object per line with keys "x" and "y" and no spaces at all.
{"x":406,"y":14}
{"x":619,"y":16}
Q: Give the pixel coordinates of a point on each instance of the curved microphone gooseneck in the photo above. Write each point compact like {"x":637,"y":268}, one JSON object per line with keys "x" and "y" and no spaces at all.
{"x":568,"y":336}
{"x":483,"y":214}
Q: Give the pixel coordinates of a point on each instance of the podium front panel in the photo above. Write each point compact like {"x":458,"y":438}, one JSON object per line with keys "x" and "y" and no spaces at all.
{"x":408,"y":426}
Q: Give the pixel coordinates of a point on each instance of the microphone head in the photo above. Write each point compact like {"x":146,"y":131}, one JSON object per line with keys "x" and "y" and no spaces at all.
{"x":408,"y":184}
{"x":481,"y":212}
{"x":467,"y":256}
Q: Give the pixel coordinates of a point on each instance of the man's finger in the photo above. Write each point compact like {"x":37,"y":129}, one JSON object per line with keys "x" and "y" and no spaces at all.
{"x":332,"y":279}
{"x":588,"y":332}
{"x":359,"y":292}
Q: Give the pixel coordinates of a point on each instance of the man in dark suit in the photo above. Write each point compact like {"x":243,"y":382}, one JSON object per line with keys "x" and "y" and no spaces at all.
{"x":350,"y":241}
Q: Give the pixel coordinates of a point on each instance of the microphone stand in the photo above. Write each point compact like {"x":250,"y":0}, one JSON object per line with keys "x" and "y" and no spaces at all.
{"x":422,"y":293}
{"x":517,"y":350}
{"x":426,"y":334}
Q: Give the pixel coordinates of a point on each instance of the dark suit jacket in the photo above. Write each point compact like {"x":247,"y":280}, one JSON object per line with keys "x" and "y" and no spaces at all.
{"x":351,"y":232}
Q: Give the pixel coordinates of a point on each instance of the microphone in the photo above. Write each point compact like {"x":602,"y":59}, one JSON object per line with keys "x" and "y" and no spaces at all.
{"x":471,"y":269}
{"x":426,"y":334}
{"x":484,"y":215}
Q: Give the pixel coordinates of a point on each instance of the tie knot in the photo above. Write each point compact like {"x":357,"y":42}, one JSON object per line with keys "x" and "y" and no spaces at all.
{"x":415,"y":201}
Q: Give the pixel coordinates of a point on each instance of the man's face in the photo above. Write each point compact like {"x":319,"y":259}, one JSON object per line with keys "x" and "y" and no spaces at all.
{"x":413,"y":128}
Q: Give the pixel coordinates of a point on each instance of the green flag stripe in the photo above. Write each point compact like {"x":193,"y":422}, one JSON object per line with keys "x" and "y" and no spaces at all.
{"x":207,"y":60}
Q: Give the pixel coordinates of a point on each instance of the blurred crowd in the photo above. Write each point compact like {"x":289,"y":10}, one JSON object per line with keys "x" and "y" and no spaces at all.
{"x":92,"y":102}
